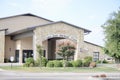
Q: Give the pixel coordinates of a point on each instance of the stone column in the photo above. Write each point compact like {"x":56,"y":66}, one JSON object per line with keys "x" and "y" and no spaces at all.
{"x":80,"y":44}
{"x":20,"y":53}
{"x":37,"y":40}
{"x":34,"y":47}
{"x":2,"y":45}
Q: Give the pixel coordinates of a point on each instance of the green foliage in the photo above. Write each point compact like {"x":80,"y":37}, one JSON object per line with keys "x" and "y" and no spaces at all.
{"x":68,"y":64}
{"x":50,"y":64}
{"x":77,"y":63}
{"x":87,"y":60}
{"x":104,"y":61}
{"x":112,"y":36}
{"x":43,"y":62}
{"x":40,"y":52}
{"x":29,"y":62}
{"x":57,"y":63}
{"x":66,"y":50}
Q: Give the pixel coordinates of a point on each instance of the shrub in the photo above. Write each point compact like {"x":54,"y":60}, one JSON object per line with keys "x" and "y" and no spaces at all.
{"x":29,"y":62}
{"x":77,"y":63}
{"x":86,"y":61}
{"x":98,"y":61}
{"x":43,"y":64}
{"x":92,"y":64}
{"x":57,"y":63}
{"x":50,"y":64}
{"x":89,"y":58}
{"x":68,"y":64}
{"x":104,"y":61}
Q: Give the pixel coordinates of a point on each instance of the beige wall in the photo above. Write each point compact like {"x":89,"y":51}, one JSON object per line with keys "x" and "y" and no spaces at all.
{"x":2,"y":46}
{"x":24,"y":44}
{"x":9,"y":47}
{"x":21,"y":22}
{"x":27,"y":43}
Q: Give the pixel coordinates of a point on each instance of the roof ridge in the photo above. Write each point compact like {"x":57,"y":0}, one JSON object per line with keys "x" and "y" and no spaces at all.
{"x":25,"y":14}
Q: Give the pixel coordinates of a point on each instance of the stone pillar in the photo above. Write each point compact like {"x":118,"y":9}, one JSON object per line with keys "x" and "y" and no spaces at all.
{"x":19,"y":47}
{"x":80,"y":44}
{"x":37,"y":40}
{"x":34,"y":47}
{"x":21,"y":52}
{"x":2,"y":45}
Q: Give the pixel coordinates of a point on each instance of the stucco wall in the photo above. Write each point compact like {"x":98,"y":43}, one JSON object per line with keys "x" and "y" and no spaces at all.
{"x":27,"y":43}
{"x":2,"y":46}
{"x":9,"y":47}
{"x":20,"y":22}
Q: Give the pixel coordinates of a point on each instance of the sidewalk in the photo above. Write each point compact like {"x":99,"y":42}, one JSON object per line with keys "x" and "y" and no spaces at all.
{"x":9,"y":64}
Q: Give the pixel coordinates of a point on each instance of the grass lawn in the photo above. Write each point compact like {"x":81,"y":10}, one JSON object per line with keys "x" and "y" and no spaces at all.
{"x":61,"y":69}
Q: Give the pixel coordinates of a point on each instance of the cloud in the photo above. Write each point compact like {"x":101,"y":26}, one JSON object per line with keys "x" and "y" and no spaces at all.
{"x":13,"y":4}
{"x":50,"y":5}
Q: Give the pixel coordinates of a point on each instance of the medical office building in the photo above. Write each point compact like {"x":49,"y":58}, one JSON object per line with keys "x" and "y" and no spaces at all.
{"x":20,"y":34}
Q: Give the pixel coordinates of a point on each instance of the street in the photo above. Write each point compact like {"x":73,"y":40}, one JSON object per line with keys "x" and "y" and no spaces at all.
{"x":15,"y":75}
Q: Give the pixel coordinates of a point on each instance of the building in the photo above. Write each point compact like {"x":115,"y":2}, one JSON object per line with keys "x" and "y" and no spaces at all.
{"x":20,"y":34}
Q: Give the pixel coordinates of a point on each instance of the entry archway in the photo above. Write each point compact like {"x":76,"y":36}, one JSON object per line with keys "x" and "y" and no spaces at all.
{"x":52,"y":44}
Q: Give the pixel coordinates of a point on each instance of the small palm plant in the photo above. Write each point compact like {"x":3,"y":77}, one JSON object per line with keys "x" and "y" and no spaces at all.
{"x":40,"y":52}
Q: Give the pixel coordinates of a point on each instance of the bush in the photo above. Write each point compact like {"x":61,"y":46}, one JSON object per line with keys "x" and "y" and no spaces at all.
{"x":92,"y":64}
{"x":104,"y":61}
{"x":43,"y":64}
{"x":50,"y":64}
{"x":68,"y":64}
{"x":98,"y":61}
{"x":89,"y":58}
{"x":57,"y":63}
{"x":86,"y":61}
{"x":77,"y":63}
{"x":29,"y":62}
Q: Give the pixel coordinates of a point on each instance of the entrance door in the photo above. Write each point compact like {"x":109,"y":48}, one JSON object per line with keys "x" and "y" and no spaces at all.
{"x":27,"y":54}
{"x":16,"y":55}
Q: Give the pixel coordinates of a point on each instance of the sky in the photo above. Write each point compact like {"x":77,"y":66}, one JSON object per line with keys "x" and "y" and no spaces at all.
{"x":89,"y":14}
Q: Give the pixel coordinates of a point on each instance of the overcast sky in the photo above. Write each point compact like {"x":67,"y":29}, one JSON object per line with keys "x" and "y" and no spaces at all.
{"x":89,"y":14}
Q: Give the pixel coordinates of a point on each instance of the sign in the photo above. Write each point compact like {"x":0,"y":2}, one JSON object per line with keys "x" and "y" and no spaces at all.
{"x":62,"y":36}
{"x":11,"y":58}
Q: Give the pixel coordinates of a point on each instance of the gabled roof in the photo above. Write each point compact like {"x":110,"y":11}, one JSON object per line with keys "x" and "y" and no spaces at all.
{"x":85,"y":30}
{"x":93,"y":44}
{"x":32,"y":28}
{"x":27,"y":14}
{"x":3,"y":29}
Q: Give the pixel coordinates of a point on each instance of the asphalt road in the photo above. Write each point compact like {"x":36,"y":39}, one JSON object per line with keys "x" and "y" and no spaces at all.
{"x":14,"y":75}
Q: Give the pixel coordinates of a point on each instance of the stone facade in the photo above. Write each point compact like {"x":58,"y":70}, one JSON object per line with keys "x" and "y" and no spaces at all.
{"x":45,"y":32}
{"x":26,"y":31}
{"x":2,"y":45}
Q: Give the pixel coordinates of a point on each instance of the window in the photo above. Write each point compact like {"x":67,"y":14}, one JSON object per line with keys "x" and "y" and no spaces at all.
{"x":95,"y":56}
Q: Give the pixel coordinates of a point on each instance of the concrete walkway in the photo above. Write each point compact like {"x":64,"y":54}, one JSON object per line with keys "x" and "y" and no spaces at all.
{"x":9,"y":64}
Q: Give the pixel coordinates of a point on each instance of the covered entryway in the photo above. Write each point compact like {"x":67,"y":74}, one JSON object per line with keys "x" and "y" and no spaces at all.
{"x":51,"y":45}
{"x":47,"y":35}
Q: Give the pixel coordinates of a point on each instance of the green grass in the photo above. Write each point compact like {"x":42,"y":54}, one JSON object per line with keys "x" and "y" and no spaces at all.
{"x":61,"y":69}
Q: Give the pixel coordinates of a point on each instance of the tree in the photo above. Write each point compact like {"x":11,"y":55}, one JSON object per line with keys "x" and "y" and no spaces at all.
{"x":112,"y":36}
{"x":40,"y":52}
{"x":66,"y":50}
